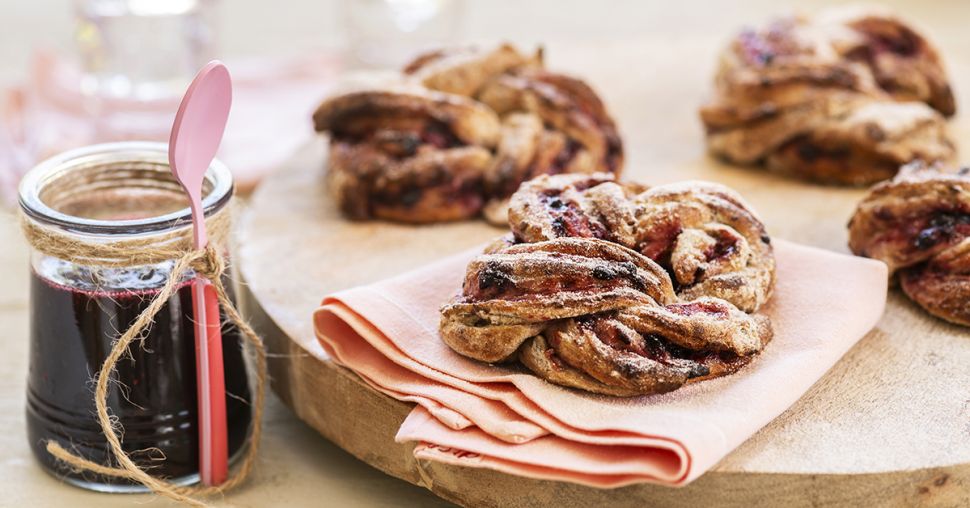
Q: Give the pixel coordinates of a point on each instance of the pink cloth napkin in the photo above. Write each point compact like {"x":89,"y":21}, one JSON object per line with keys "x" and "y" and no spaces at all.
{"x":501,"y":417}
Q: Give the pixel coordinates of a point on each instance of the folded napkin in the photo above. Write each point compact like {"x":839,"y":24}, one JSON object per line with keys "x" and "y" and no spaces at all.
{"x":504,"y":418}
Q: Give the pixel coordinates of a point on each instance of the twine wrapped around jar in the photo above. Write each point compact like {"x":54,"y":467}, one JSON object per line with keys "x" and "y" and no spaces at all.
{"x":209,"y":263}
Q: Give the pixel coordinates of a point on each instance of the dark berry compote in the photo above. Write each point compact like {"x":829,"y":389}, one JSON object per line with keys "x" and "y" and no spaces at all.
{"x":76,"y":314}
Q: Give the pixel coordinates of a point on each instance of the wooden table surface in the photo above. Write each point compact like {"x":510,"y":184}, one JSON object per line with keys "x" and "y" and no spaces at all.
{"x":297,"y":467}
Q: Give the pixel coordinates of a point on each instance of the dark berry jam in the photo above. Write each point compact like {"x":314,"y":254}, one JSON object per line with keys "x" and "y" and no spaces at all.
{"x":73,"y":324}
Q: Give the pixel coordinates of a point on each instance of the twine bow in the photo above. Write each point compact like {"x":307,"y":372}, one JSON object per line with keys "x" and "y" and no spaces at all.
{"x":208,"y":263}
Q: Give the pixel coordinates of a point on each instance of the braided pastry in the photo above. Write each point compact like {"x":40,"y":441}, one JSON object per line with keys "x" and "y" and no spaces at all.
{"x":919,"y":225}
{"x":407,"y":155}
{"x":437,"y":150}
{"x":845,"y":98}
{"x":618,"y":290}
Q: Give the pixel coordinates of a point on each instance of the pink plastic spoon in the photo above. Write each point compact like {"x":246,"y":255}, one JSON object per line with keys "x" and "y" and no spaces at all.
{"x":196,"y":133}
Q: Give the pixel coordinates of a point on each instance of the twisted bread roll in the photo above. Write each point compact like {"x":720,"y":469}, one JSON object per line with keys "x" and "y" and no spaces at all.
{"x":845,"y":97}
{"x":919,"y":225}
{"x":581,"y":293}
{"x":435,"y":149}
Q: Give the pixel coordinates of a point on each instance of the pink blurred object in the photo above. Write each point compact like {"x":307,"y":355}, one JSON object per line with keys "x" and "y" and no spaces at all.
{"x":271,"y":118}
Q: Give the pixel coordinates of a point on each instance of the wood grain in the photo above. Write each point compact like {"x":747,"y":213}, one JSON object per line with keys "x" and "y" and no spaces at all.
{"x":888,"y":424}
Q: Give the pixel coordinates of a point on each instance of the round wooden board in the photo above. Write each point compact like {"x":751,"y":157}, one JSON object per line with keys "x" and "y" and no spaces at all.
{"x":888,"y":425}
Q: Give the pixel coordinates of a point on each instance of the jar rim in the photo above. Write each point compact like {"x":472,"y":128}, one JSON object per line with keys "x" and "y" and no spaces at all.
{"x":35,"y":180}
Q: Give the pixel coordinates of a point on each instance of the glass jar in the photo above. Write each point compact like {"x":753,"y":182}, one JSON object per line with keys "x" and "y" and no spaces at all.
{"x":112,"y":192}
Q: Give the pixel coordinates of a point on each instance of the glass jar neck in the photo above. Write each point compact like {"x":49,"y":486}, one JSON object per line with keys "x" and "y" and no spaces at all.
{"x":116,"y":190}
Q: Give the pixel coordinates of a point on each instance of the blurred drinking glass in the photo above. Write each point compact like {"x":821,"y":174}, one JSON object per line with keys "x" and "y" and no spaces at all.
{"x":386,"y":33}
{"x":143,"y":50}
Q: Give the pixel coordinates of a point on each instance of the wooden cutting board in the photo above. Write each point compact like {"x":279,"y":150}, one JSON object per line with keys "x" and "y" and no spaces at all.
{"x":888,"y":425}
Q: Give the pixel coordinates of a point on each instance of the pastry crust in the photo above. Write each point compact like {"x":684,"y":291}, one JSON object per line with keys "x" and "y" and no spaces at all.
{"x":704,"y":234}
{"x":410,"y":156}
{"x":551,"y":123}
{"x":407,"y":110}
{"x":465,"y":70}
{"x":919,"y":225}
{"x":430,"y":186}
{"x":845,"y":97}
{"x":577,"y":134}
{"x":575,"y":295}
{"x":903,"y":62}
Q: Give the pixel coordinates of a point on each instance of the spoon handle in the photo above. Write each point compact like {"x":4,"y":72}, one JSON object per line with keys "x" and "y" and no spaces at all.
{"x":210,"y":375}
{"x":213,"y":442}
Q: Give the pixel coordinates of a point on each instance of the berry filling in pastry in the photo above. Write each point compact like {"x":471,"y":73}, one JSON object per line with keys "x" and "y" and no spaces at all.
{"x":919,"y":225}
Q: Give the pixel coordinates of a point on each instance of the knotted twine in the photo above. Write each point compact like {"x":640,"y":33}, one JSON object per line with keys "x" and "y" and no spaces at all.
{"x":208,"y":263}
